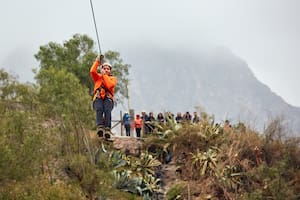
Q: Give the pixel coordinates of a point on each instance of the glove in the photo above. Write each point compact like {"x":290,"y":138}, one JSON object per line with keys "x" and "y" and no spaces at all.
{"x":100,"y":57}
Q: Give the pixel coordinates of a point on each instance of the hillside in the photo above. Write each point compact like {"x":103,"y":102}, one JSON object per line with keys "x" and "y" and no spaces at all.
{"x":213,"y":79}
{"x":50,"y":150}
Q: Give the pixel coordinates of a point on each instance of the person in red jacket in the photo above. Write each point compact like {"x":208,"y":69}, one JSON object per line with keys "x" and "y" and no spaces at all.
{"x":138,"y":124}
{"x":103,"y":99}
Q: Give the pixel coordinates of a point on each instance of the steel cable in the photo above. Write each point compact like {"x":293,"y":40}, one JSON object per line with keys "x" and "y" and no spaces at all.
{"x":95,"y":26}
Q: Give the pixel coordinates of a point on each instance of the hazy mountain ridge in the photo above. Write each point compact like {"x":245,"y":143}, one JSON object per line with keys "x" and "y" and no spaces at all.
{"x":215,"y":79}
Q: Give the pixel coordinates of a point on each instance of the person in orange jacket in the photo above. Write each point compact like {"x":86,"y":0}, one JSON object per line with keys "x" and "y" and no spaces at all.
{"x":103,"y":99}
{"x":138,"y":124}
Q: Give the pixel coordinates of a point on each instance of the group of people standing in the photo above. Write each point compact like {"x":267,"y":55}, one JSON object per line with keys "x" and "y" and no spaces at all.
{"x":147,"y":122}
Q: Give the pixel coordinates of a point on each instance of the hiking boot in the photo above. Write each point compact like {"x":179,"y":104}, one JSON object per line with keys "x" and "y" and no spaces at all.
{"x":100,"y":131}
{"x":107,"y":133}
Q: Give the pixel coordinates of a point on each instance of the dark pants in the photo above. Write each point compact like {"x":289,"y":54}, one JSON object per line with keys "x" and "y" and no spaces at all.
{"x":103,"y":109}
{"x":138,"y":132}
{"x":127,"y":128}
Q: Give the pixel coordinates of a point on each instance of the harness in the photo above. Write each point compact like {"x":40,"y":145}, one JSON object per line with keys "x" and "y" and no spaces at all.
{"x":98,"y":93}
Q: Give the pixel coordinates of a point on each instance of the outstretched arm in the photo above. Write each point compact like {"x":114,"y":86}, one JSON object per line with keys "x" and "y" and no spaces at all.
{"x":93,"y":71}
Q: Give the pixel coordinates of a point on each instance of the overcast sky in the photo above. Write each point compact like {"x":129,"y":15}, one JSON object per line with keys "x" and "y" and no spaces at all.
{"x":265,"y":33}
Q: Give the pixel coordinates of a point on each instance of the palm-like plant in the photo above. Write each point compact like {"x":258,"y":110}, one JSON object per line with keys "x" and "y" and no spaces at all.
{"x":140,"y":177}
{"x":206,"y":161}
{"x":124,"y":181}
{"x":210,"y":130}
{"x":117,"y":159}
{"x":145,"y":164}
{"x":150,"y":185}
{"x":164,"y":131}
{"x":121,"y":178}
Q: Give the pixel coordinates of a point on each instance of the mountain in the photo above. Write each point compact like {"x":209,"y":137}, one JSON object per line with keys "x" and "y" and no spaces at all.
{"x":212,"y":79}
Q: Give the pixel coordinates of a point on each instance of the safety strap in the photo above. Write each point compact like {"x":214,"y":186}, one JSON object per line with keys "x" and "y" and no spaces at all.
{"x":98,"y":93}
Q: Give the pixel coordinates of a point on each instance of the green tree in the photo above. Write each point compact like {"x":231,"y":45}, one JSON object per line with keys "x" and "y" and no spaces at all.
{"x":22,"y":145}
{"x":66,"y":101}
{"x":7,"y":85}
{"x":77,"y":55}
{"x":62,"y":94}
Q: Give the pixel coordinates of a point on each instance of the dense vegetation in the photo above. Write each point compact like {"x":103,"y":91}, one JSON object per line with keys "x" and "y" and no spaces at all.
{"x":47,"y":152}
{"x":76,"y":56}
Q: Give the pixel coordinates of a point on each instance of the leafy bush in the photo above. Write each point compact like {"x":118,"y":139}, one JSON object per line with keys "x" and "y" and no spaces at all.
{"x":39,"y":187}
{"x":176,"y":192}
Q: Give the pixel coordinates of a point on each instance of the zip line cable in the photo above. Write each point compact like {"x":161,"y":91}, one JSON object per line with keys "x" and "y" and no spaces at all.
{"x":95,"y":26}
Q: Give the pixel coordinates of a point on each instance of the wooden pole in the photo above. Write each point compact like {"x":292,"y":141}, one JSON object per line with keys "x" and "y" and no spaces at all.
{"x":121,"y":120}
{"x":131,"y":113}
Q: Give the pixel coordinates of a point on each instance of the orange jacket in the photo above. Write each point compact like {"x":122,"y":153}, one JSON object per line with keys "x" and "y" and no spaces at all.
{"x":105,"y":83}
{"x":138,"y":123}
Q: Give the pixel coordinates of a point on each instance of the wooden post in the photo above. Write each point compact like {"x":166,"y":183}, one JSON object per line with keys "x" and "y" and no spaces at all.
{"x":131,"y":113}
{"x":121,"y":122}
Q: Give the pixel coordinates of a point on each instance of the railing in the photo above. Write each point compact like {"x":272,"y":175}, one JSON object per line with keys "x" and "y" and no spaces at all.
{"x":117,"y":123}
{"x":118,"y":127}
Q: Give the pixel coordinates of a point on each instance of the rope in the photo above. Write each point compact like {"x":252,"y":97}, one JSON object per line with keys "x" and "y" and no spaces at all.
{"x":95,"y":26}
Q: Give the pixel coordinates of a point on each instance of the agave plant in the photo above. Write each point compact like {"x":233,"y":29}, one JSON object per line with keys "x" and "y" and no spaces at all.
{"x":117,"y":160}
{"x":143,"y":182}
{"x":145,"y":164}
{"x":151,"y":184}
{"x":206,"y":161}
{"x":172,"y":125}
{"x":121,"y":178}
{"x":124,"y":181}
{"x":209,"y":131}
{"x":169,"y":128}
